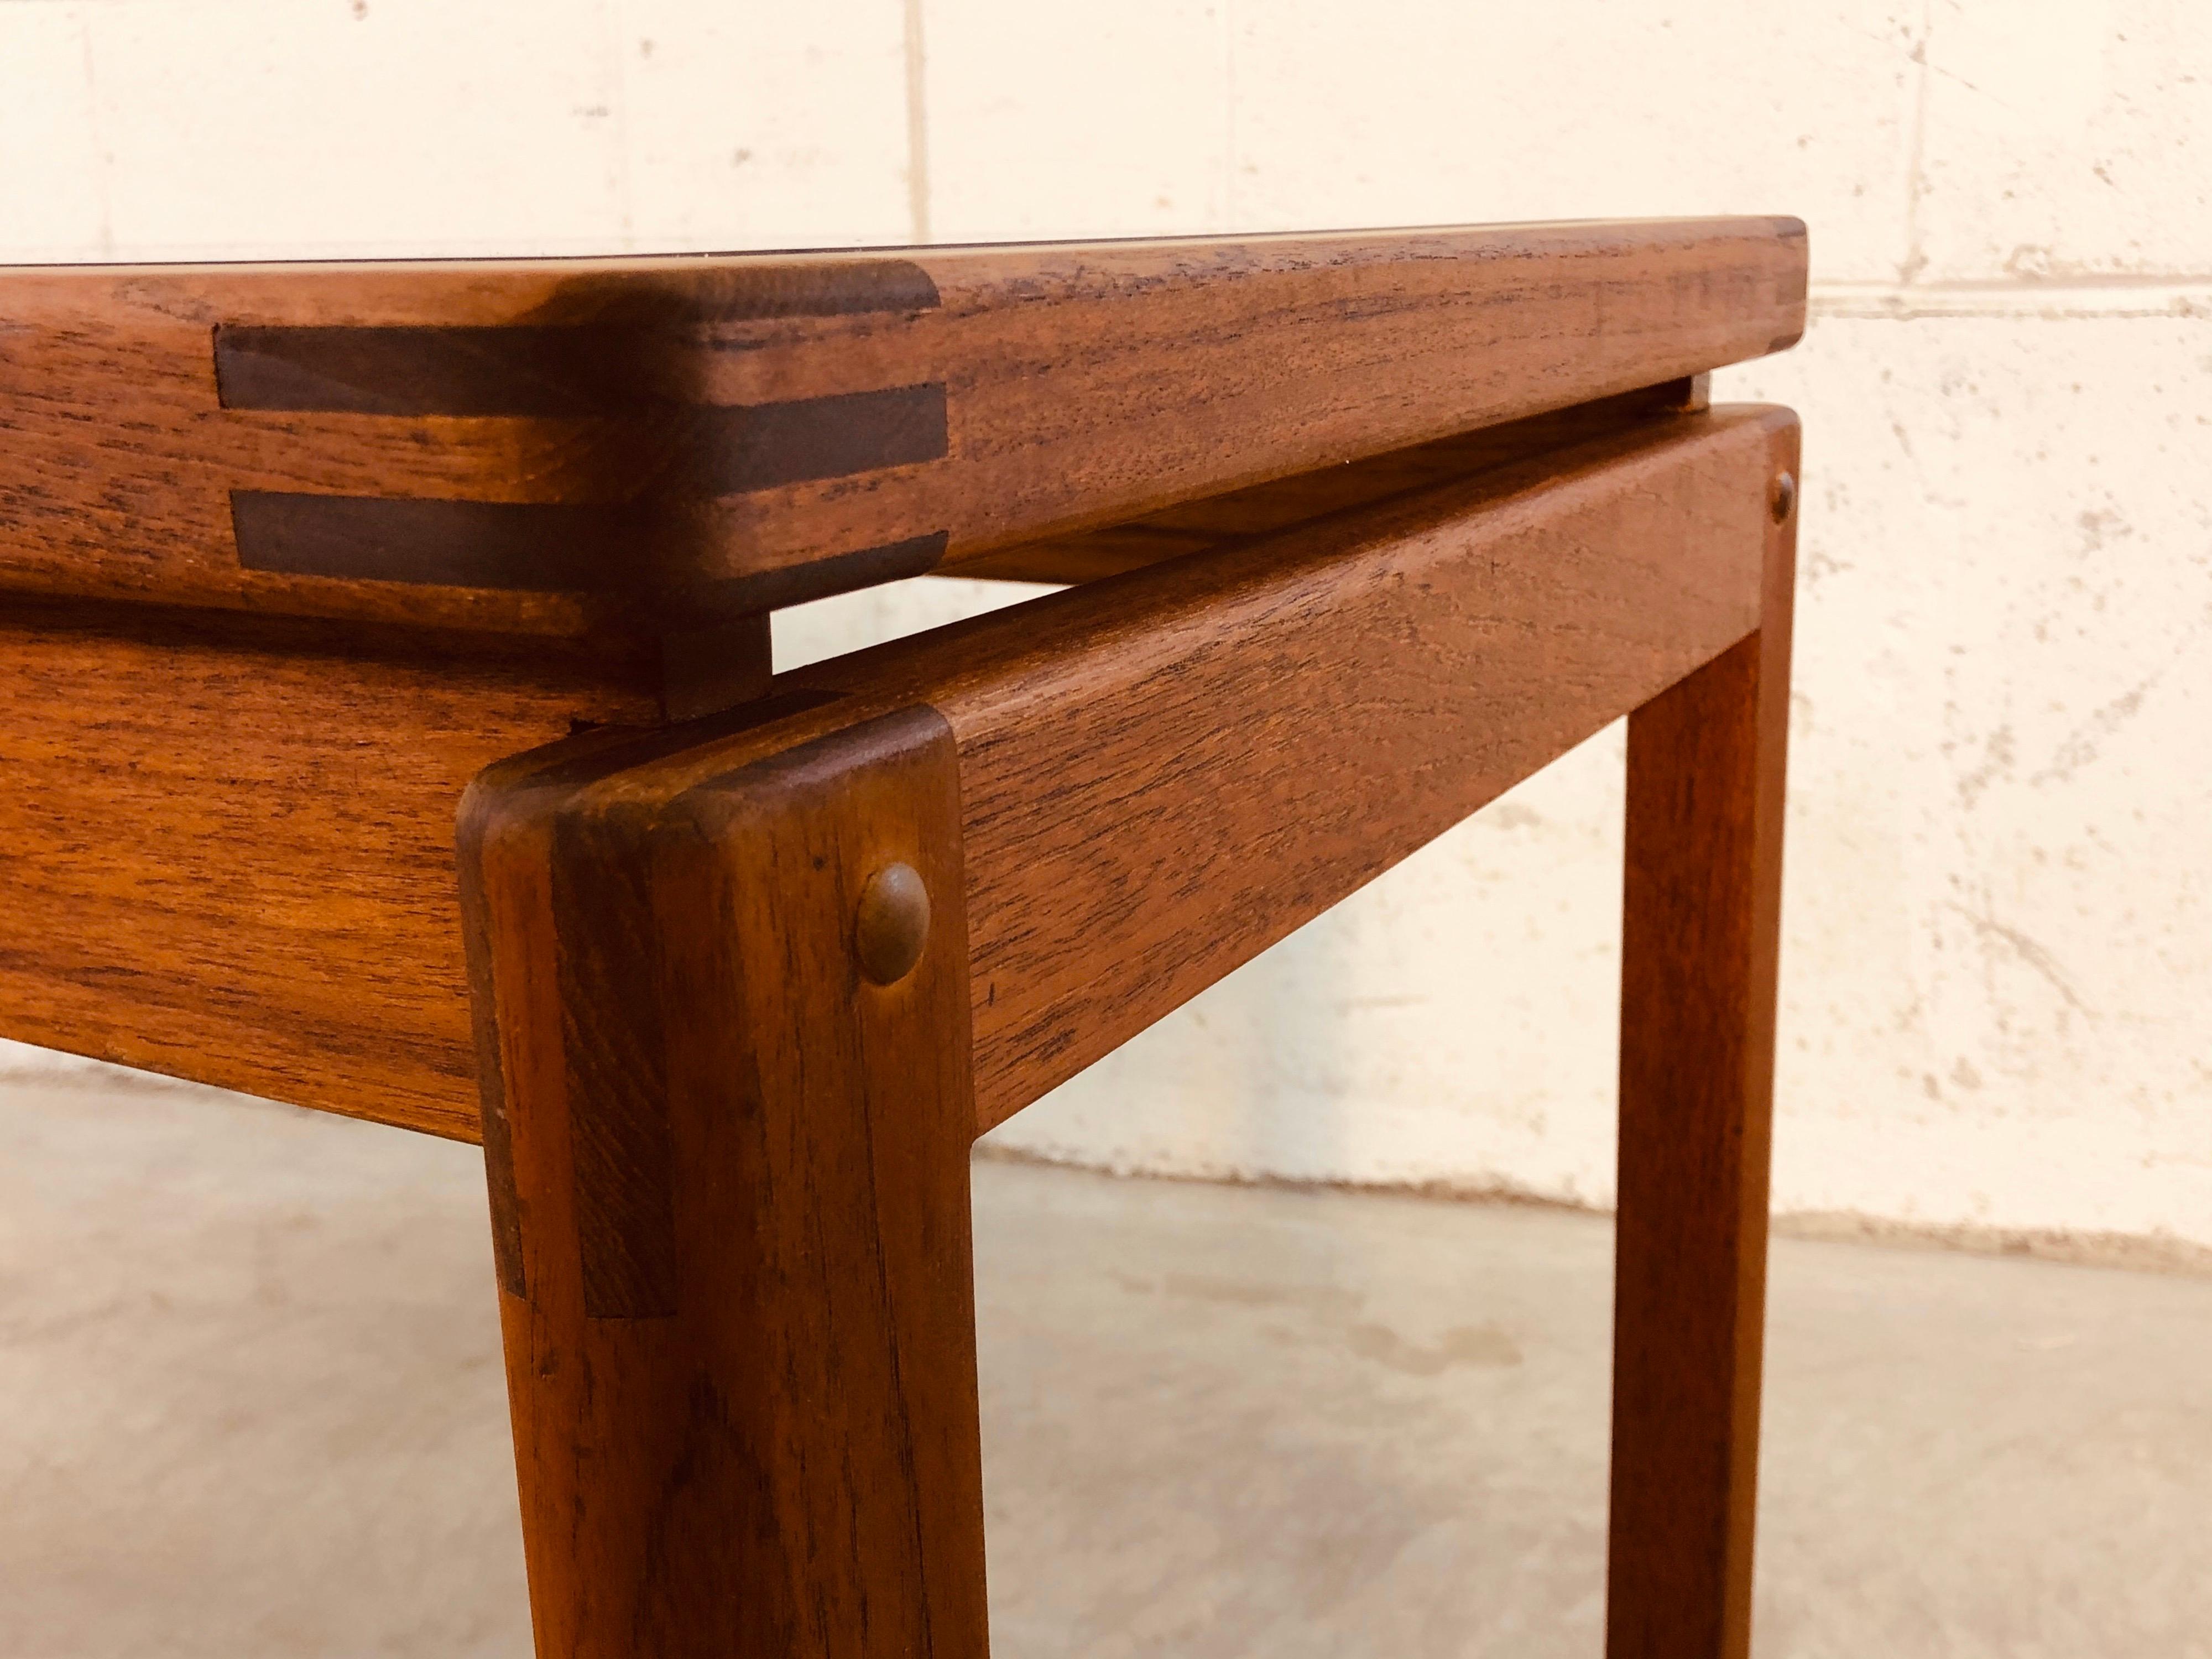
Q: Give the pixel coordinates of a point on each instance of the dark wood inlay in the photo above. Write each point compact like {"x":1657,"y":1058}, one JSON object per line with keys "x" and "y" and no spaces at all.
{"x":596,"y":351}
{"x":527,"y":547}
{"x":703,"y":452}
{"x":519,"y":546}
{"x":756,"y":446}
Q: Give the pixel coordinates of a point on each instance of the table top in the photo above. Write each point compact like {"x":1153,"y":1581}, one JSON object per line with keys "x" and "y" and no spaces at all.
{"x":566,"y":447}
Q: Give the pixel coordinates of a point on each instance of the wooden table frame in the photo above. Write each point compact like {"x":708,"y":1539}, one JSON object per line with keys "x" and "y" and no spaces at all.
{"x":1366,"y":530}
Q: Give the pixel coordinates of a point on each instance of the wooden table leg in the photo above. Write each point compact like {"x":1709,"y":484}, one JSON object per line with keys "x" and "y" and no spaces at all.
{"x":727,"y":1120}
{"x":1699,"y":947}
{"x":729,"y":1170}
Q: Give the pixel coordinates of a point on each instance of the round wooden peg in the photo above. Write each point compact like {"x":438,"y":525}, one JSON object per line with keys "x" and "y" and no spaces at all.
{"x":893,"y":923}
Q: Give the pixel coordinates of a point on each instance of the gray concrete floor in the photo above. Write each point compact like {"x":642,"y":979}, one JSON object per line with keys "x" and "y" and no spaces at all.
{"x":251,"y":1404}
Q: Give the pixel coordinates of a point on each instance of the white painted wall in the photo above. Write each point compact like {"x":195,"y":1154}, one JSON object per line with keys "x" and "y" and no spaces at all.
{"x":1999,"y":913}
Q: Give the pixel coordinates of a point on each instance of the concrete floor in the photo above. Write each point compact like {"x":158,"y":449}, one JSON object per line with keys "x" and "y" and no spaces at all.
{"x":250,"y":1405}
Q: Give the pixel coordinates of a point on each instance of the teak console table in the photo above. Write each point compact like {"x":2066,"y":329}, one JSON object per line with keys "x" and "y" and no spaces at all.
{"x":301,"y":562}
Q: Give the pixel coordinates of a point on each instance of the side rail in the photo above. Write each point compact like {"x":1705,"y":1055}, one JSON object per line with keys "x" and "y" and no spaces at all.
{"x":747,"y":989}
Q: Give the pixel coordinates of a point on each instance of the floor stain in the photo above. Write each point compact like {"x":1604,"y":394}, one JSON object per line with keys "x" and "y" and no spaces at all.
{"x":1463,"y":1345}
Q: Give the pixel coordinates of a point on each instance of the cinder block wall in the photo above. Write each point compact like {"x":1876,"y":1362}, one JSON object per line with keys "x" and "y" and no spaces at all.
{"x":1999,"y":953}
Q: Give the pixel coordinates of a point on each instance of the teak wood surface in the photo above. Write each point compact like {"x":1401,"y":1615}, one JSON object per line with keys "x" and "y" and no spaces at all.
{"x":282,"y":913}
{"x":628,"y":445}
{"x":1701,"y":942}
{"x":1163,"y":773}
{"x":730,"y":1205}
{"x":1114,"y":796}
{"x":1368,"y":527}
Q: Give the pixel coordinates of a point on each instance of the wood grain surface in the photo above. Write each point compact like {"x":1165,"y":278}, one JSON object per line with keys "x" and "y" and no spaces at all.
{"x":727,"y":1134}
{"x":1699,"y":952}
{"x":226,"y":842}
{"x":291,"y":553}
{"x":730,"y":1182}
{"x":1211,"y":523}
{"x":629,"y":446}
{"x":1162,"y":773}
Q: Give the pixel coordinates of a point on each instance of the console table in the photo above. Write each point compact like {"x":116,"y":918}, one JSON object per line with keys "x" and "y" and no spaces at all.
{"x":304,"y":565}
